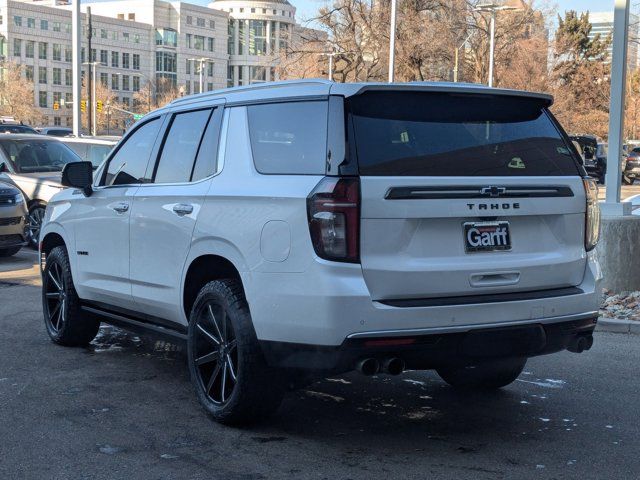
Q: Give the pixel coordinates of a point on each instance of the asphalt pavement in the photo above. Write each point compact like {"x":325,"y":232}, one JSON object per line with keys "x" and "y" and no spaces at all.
{"x":124,"y":408}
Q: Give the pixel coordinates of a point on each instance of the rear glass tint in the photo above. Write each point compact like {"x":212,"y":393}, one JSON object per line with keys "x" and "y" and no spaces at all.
{"x":289,"y":138}
{"x":444,"y":134}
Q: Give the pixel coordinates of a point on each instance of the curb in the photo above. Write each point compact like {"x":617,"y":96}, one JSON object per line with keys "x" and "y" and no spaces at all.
{"x":614,"y":325}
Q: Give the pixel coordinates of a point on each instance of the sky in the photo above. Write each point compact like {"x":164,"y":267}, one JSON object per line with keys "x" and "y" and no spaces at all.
{"x":307,"y":8}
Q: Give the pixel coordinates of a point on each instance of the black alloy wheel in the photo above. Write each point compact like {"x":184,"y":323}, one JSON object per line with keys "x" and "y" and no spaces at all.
{"x":216,"y":353}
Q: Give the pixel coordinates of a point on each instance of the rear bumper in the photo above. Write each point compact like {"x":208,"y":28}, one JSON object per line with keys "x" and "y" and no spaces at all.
{"x":424,"y":350}
{"x":331,"y":303}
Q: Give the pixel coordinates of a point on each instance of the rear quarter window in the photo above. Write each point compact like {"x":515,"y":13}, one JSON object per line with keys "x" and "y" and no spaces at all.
{"x":445,"y":134}
{"x":289,"y":138}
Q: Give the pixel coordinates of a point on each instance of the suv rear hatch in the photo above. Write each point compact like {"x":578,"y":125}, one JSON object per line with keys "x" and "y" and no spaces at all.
{"x":465,"y":194}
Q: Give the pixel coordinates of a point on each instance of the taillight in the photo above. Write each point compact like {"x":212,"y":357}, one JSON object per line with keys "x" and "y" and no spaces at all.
{"x":333,"y":208}
{"x":592,"y":224}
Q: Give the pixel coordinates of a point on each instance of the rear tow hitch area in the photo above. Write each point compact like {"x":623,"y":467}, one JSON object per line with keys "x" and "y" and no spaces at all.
{"x":580,"y":343}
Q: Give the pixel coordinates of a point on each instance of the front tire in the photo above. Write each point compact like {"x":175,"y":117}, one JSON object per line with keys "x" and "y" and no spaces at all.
{"x":232,"y":380}
{"x":486,"y":375}
{"x":66,"y":323}
{"x":36,"y":216}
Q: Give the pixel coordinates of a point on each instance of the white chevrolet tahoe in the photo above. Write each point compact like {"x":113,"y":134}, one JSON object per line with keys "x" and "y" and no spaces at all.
{"x":307,"y":228}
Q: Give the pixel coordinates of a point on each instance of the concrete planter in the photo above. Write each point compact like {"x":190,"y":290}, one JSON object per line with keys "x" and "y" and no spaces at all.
{"x":619,"y":253}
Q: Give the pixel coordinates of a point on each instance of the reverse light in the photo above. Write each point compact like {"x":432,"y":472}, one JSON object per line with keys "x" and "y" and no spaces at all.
{"x":592,"y":223}
{"x":333,"y":210}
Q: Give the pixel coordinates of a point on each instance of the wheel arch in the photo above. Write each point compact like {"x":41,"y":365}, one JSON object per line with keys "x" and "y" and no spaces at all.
{"x":202,"y":270}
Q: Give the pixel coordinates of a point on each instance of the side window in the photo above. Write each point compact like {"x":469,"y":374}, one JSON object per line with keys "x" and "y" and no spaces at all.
{"x":129,"y":164}
{"x":181,"y":146}
{"x":206,"y":162}
{"x":289,"y":138}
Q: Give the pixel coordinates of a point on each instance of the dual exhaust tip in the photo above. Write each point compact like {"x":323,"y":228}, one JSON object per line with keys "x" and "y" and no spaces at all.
{"x":371,"y":366}
{"x":580,"y":344}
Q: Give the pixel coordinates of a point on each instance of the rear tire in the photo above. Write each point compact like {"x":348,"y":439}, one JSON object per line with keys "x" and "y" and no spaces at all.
{"x":9,"y":252}
{"x":232,"y":380}
{"x":487,"y":375}
{"x":66,"y":323}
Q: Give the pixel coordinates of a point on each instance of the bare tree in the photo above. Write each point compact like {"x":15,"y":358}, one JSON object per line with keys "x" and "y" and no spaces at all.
{"x":17,"y":94}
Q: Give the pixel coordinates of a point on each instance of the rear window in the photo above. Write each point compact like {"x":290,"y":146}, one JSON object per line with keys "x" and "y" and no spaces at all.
{"x":289,"y":138}
{"x":444,"y":134}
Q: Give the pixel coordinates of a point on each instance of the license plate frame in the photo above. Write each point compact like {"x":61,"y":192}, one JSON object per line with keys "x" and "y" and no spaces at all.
{"x":483,"y":237}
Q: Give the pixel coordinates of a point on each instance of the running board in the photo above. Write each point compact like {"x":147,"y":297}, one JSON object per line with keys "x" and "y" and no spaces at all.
{"x":133,"y":325}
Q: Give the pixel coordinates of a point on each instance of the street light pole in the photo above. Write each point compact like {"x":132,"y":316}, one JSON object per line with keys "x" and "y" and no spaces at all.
{"x":492,"y":8}
{"x":94,"y":100}
{"x":392,"y":41}
{"x":201,"y":61}
{"x":76,"y":67}
{"x":457,"y":58}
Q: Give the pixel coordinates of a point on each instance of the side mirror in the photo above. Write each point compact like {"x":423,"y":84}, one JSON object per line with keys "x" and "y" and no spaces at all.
{"x":78,"y":175}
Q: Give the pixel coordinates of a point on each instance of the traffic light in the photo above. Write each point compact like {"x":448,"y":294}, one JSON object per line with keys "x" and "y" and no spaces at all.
{"x":56,"y":106}
{"x":99,"y":105}
{"x":83,"y":106}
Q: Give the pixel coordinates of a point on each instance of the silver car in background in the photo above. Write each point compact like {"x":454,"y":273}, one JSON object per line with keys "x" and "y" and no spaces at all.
{"x":33,"y":163}
{"x":90,"y":149}
{"x":13,"y":220}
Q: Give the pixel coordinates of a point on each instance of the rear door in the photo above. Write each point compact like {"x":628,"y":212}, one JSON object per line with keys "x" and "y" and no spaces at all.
{"x":465,"y":195}
{"x":165,"y":211}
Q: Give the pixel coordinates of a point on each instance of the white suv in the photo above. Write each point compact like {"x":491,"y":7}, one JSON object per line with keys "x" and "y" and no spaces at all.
{"x":307,"y":228}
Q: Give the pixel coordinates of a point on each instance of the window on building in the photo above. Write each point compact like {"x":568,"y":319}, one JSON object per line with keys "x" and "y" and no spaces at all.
{"x":136,"y":83}
{"x":31,"y":22}
{"x":68,"y":99}
{"x":17,"y":20}
{"x":56,"y":26}
{"x":167,"y":37}
{"x":115,"y":81}
{"x":125,"y":83}
{"x":94,"y":55}
{"x":253,"y":10}
{"x":56,"y":52}
{"x":264,"y":11}
{"x":115,"y":59}
{"x":229,"y":76}
{"x":189,"y":40}
{"x":57,"y":121}
{"x":211,"y":43}
{"x":104,"y":57}
{"x":231,"y":28}
{"x":82,"y":55}
{"x":210,"y":68}
{"x":136,"y":38}
{"x":272,"y":38}
{"x":68,"y":77}
{"x":67,"y":28}
{"x":28,"y":72}
{"x":44,"y":24}
{"x":188,"y":66}
{"x":209,"y":86}
{"x":189,"y":20}
{"x":126,"y":60}
{"x":257,"y":74}
{"x":198,"y":42}
{"x":257,"y":37}
{"x":114,"y":36}
{"x":289,"y":138}
{"x":42,"y":50}
{"x":103,"y":33}
{"x":30,"y":49}
{"x":136,"y":61}
{"x":57,"y":97}
{"x":129,"y":164}
{"x":43,"y":99}
{"x":17,"y":47}
{"x":212,"y":24}
{"x":242,"y":25}
{"x":125,"y":36}
{"x":241,"y":75}
{"x":104,"y":80}
{"x":69,"y":121}
{"x":68,"y":54}
{"x":200,"y":22}
{"x":42,"y":75}
{"x":126,"y":101}
{"x":284,"y":35}
{"x":57,"y":76}
{"x":187,"y":88}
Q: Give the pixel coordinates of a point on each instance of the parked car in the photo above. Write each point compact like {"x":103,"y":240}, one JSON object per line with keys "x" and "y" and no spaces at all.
{"x":632,"y":170}
{"x":34,"y":163}
{"x":91,"y":149}
{"x":10,"y":125}
{"x":310,"y":228}
{"x":56,"y":131}
{"x":13,"y":220}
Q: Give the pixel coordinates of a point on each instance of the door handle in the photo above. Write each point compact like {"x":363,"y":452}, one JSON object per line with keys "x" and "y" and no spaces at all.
{"x":120,"y":207}
{"x":183,"y":209}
